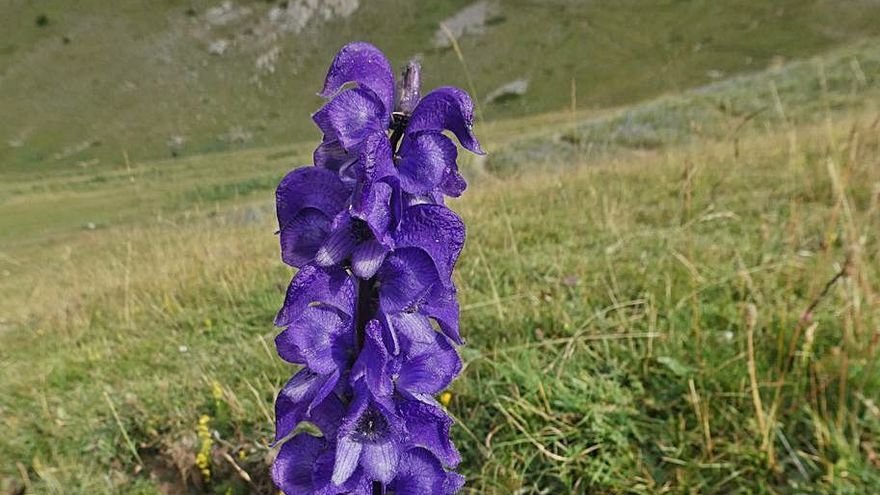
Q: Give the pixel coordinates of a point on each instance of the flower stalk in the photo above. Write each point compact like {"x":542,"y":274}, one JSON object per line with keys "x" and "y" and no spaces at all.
{"x":371,"y":315}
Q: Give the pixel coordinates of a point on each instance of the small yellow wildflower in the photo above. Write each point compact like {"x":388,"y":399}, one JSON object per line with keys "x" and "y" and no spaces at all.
{"x":203,"y":458}
{"x":217,"y":390}
{"x":446,"y":398}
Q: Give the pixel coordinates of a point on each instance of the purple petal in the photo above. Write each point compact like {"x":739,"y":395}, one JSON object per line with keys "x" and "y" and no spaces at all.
{"x":421,"y":473}
{"x":305,"y":201}
{"x":330,"y":155}
{"x":375,"y":211}
{"x":428,"y":427}
{"x":453,"y":183}
{"x":350,"y":117}
{"x":309,"y":187}
{"x":333,"y":286}
{"x":356,"y":484}
{"x":373,"y":423}
{"x":375,"y":160}
{"x":373,"y":360}
{"x":380,"y":459}
{"x":372,"y":198}
{"x":429,"y":362}
{"x":348,"y":453}
{"x":350,"y":443}
{"x":295,"y":463}
{"x":447,"y":108}
{"x":453,"y":483}
{"x":443,"y":307}
{"x":339,"y":244}
{"x":398,"y":202}
{"x":437,"y":230}
{"x":323,"y":338}
{"x":303,"y":235}
{"x":406,"y":278}
{"x":429,"y":373}
{"x":425,"y":161}
{"x":367,"y":258}
{"x":366,"y":65}
{"x":432,"y":198}
{"x":389,"y":335}
{"x":327,"y":412}
{"x":287,"y":349}
{"x":411,"y":324}
{"x":304,"y":391}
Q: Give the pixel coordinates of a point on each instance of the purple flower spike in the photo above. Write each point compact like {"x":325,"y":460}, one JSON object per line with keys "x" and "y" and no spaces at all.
{"x":372,"y":316}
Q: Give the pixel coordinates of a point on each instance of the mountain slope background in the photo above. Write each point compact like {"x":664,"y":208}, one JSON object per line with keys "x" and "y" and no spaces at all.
{"x":82,"y":82}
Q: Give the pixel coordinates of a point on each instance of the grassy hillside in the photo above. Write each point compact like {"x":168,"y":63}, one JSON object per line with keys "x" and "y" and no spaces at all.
{"x":695,"y":316}
{"x":802,"y":92}
{"x":81,"y":82}
{"x":799,"y":93}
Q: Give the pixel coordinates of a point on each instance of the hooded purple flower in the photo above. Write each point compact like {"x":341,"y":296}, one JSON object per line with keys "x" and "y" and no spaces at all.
{"x":363,"y":232}
{"x":417,"y":278}
{"x":305,"y":463}
{"x":424,"y":363}
{"x":426,"y":159}
{"x":375,"y":247}
{"x":371,"y":436}
{"x":307,"y":200}
{"x":320,"y":334}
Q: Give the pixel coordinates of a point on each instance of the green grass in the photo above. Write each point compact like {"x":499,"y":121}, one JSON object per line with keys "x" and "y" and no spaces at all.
{"x":605,"y":308}
{"x":79,"y":102}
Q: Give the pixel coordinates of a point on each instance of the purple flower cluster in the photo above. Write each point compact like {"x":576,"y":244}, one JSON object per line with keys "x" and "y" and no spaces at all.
{"x":372,"y":314}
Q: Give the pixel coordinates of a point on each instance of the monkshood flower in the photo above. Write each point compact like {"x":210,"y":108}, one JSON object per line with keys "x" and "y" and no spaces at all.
{"x":372,"y":316}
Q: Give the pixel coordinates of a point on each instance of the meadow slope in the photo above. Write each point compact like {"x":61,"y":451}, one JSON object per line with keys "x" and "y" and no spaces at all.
{"x":699,"y":315}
